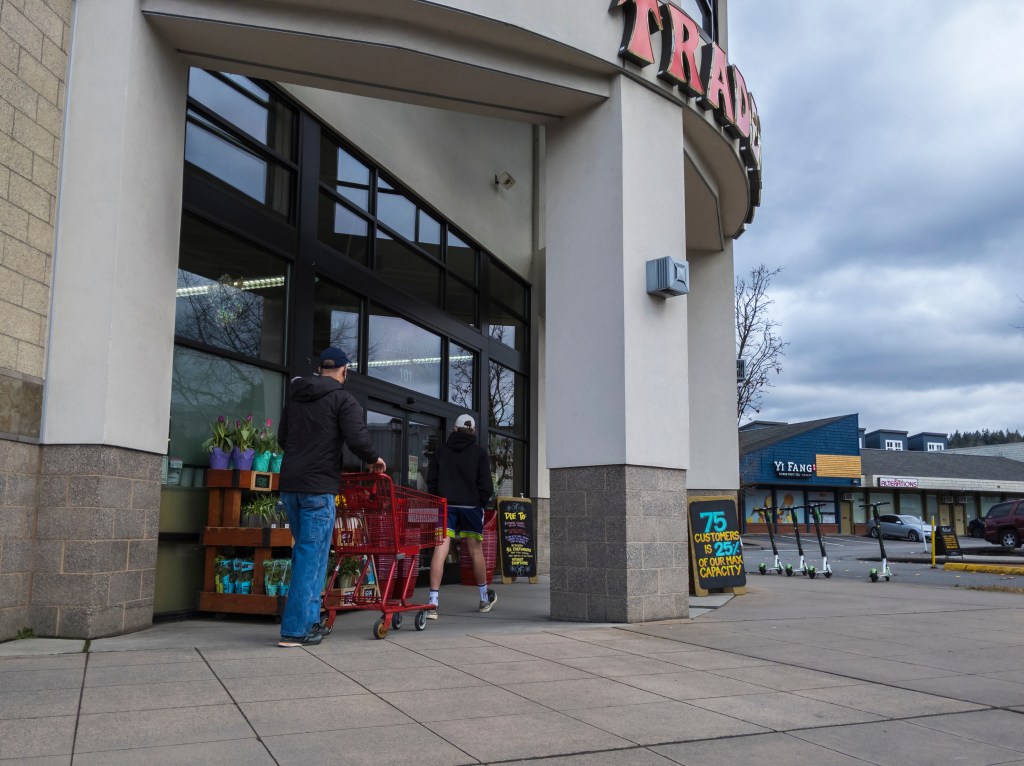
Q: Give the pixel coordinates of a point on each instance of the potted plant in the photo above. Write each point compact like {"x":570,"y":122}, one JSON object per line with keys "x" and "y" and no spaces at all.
{"x":220,"y":443}
{"x":348,"y":570}
{"x":266,"y":447}
{"x":245,"y":444}
{"x":260,"y":511}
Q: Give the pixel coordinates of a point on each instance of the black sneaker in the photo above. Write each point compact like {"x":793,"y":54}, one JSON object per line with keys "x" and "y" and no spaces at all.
{"x":312,"y":638}
{"x":492,"y":598}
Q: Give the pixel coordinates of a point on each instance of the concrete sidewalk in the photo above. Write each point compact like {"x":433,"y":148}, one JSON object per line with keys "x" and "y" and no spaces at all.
{"x":795,"y":671}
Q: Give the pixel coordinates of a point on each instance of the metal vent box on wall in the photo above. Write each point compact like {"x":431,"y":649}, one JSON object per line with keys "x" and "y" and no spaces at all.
{"x":667,"y":277}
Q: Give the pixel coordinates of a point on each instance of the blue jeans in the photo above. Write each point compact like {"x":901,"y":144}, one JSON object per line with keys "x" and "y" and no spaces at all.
{"x":311,"y":518}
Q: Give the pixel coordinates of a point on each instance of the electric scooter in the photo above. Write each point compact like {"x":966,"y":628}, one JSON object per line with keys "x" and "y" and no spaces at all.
{"x":825,"y":568}
{"x":805,"y":568}
{"x":885,"y":572}
{"x":776,"y":566}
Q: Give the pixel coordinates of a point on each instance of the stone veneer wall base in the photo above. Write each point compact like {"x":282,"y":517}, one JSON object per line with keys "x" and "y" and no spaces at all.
{"x":82,"y":521}
{"x":618,"y":544}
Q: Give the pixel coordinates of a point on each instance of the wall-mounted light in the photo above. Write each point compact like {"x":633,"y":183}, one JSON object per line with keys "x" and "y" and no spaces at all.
{"x":505,"y":180}
{"x":667,"y":277}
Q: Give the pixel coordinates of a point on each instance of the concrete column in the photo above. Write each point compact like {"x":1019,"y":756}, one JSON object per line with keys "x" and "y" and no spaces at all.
{"x":617,"y":377}
{"x":111,"y":339}
{"x":106,"y":399}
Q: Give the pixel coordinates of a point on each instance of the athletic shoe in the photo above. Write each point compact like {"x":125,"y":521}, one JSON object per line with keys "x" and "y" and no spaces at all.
{"x":312,"y":638}
{"x":492,"y":599}
{"x":432,"y":613}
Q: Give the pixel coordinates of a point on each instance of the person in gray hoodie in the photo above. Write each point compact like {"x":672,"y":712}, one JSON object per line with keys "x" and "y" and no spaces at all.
{"x":318,"y":419}
{"x":461,"y":473}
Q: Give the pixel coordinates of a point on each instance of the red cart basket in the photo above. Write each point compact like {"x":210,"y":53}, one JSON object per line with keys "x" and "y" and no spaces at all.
{"x":385,"y":526}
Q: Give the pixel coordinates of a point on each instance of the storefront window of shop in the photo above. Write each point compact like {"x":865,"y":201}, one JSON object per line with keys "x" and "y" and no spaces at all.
{"x":827,"y":509}
{"x":204,"y":387}
{"x":508,"y":308}
{"x":931,"y":505}
{"x":242,"y":136}
{"x":860,"y":513}
{"x":506,"y":410}
{"x":882,"y":497}
{"x":336,"y":320}
{"x":461,"y":376}
{"x":753,"y":500}
{"x":970,"y":504}
{"x":349,"y":176}
{"x":343,"y":230}
{"x":987,"y":501}
{"x":230,"y":295}
{"x":911,"y":505}
{"x":407,"y":270}
{"x":508,"y":456}
{"x":403,"y":353}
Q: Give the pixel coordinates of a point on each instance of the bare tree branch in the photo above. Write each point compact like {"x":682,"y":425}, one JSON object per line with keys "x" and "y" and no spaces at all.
{"x":757,"y":343}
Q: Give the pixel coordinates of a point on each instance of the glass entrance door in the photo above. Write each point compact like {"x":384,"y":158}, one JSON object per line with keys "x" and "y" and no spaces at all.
{"x":407,"y":442}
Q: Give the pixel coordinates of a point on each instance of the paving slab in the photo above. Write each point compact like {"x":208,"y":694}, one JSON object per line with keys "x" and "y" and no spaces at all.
{"x":709,"y":659}
{"x":163,"y":672}
{"x":412,"y":679}
{"x":31,"y":737}
{"x":324,"y":683}
{"x":994,"y":727}
{"x":39,"y":704}
{"x":758,"y":749}
{"x":232,"y":753}
{"x":469,"y":702}
{"x":565,"y":649}
{"x":39,"y":680}
{"x":980,"y":689}
{"x":402,"y":744}
{"x":525,"y":735}
{"x":785,"y":678}
{"x":158,"y":696}
{"x":324,"y":714}
{"x":887,"y":700}
{"x":898,"y":743}
{"x":501,"y":673}
{"x":782,"y":711}
{"x":41,"y":646}
{"x":637,"y":756}
{"x":141,"y":657}
{"x":693,"y":684}
{"x":660,"y":722}
{"x":582,"y":693}
{"x":153,"y":728}
{"x":43,"y":662}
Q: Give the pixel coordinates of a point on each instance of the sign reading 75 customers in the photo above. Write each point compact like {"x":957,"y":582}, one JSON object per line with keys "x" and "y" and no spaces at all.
{"x":715,"y":548}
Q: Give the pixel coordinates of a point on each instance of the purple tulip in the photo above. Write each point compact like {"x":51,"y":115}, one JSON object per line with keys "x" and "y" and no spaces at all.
{"x":220,"y":419}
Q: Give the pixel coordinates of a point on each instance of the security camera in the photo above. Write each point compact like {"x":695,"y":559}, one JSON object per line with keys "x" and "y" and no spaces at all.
{"x":505,"y":180}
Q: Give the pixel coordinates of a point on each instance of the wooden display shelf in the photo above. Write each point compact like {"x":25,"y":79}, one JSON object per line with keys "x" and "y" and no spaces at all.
{"x":248,"y":537}
{"x":237,"y":603}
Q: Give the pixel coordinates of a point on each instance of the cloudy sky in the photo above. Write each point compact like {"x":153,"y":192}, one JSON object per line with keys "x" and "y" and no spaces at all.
{"x":894,"y":202}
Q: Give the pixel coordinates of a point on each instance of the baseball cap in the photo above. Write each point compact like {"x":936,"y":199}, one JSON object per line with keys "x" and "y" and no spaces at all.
{"x":465,"y":421}
{"x":333,"y":358}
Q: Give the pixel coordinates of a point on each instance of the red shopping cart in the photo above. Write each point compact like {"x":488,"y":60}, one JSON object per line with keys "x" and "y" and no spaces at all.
{"x":384,"y":527}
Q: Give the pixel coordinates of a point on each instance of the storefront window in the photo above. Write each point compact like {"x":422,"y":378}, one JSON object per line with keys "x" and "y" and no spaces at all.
{"x":987,"y":501}
{"x":230,"y":294}
{"x":230,"y":151}
{"x":507,"y":329}
{"x":754,"y":499}
{"x":507,"y":395}
{"x":204,"y":386}
{"x":462,"y":259}
{"x":344,"y":173}
{"x":403,"y":353}
{"x":827,"y":509}
{"x":396,"y":211}
{"x":508,"y":461}
{"x":461,"y":376}
{"x":911,"y":505}
{"x":971,"y":507}
{"x":460,"y":300}
{"x":507,"y":289}
{"x":343,"y":230}
{"x":407,"y":270}
{"x":336,"y":315}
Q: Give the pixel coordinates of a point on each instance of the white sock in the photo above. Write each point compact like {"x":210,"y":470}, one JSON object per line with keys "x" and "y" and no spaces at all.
{"x":484,"y":596}
{"x":433,"y":598}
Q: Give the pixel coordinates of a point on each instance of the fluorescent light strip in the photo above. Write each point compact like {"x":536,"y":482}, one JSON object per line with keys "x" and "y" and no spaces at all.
{"x":246,"y":284}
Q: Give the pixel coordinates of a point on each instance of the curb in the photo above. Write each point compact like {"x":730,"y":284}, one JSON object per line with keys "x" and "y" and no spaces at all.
{"x":1012,"y":569}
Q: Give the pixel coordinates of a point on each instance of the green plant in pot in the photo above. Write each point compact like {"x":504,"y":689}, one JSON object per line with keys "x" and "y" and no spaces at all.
{"x":259,"y":510}
{"x":348,"y":571}
{"x":245,"y":443}
{"x":221,"y":443}
{"x":266,"y":447}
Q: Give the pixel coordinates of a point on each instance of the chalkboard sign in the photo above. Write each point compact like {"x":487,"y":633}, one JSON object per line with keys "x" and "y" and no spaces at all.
{"x":517,"y":537}
{"x":946,"y":542}
{"x":716,"y":553}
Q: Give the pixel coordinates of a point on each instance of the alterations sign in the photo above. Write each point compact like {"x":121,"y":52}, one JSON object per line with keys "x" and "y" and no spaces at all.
{"x":716,"y":553}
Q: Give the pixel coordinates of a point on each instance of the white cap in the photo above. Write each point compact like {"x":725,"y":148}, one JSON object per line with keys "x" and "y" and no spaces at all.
{"x":465,"y":421}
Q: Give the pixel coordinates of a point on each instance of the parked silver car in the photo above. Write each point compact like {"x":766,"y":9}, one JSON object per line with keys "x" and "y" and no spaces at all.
{"x":901,"y":526}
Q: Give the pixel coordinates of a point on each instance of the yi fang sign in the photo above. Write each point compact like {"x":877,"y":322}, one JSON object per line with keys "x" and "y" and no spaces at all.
{"x":715,"y":84}
{"x":716,"y":553}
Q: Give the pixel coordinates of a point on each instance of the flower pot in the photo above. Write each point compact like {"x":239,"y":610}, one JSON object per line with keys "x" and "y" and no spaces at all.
{"x":261,"y":462}
{"x":243,"y":460}
{"x":275,"y":461}
{"x":219,"y":458}
{"x":272,"y":590}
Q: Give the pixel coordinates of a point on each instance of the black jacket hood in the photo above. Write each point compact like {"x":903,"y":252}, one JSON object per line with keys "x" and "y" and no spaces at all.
{"x":460,"y":440}
{"x":308,"y":389}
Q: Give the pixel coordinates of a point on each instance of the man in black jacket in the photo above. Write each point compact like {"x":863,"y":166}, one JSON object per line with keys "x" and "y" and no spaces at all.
{"x":318,"y":419}
{"x":461,"y":473}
